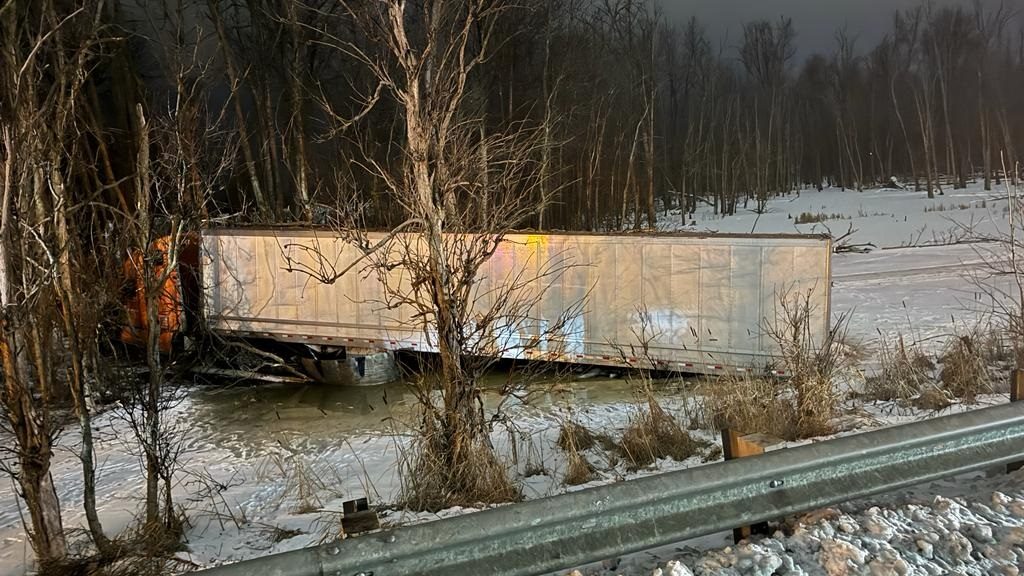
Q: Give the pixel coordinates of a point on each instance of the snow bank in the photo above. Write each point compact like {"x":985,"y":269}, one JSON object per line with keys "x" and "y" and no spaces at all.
{"x":974,"y":534}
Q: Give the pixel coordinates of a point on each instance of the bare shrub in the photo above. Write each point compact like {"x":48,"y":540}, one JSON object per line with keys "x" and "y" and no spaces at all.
{"x":812,"y":359}
{"x":965,"y":370}
{"x":437,"y":476}
{"x":574,"y":436}
{"x":752,"y":405}
{"x":142,"y":549}
{"x":994,"y":345}
{"x":1000,"y":253}
{"x":653,"y":435}
{"x":802,"y":405}
{"x":208,"y":493}
{"x":905,"y":371}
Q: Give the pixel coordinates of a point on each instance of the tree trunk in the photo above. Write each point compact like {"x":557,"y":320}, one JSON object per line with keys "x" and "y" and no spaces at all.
{"x":545,"y":160}
{"x":152,"y":290}
{"x":652,"y":219}
{"x":41,"y":500}
{"x":80,"y":386}
{"x":152,"y":407}
{"x":298,"y":123}
{"x":243,"y":130}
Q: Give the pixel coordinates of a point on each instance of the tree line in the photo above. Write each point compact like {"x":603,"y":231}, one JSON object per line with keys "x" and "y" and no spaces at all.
{"x":637,"y":114}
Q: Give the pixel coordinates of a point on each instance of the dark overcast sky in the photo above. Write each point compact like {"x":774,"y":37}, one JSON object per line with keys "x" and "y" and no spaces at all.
{"x":816,"y":21}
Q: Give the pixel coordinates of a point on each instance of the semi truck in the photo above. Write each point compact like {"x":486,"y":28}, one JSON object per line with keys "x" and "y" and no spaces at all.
{"x":681,"y":302}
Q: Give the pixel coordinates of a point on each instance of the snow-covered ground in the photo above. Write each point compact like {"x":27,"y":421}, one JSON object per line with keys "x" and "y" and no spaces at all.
{"x":267,"y":468}
{"x":924,"y":294}
{"x":886,"y":218}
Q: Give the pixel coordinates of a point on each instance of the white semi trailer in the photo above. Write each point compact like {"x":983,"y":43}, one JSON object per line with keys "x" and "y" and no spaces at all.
{"x":698,"y":301}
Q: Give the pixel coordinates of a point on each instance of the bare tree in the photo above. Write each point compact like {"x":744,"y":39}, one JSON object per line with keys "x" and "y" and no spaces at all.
{"x":461,"y":191}
{"x":181,"y":153}
{"x":1001,"y":277}
{"x":766,"y":53}
{"x":47,"y":56}
{"x":631,"y":28}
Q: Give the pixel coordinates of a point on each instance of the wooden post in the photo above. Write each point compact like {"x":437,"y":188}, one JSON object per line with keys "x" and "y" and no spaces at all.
{"x":1016,"y":395}
{"x":737,"y":445}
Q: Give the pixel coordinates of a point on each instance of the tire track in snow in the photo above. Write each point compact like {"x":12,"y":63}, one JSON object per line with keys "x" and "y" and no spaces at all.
{"x":904,"y":273}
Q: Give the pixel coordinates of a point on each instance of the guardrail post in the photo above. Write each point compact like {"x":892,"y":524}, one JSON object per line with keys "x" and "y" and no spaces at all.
{"x":358,"y":518}
{"x":1017,"y":386}
{"x":737,"y":445}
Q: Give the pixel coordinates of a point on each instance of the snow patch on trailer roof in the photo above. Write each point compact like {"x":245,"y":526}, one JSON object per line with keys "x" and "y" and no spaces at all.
{"x":264,"y":230}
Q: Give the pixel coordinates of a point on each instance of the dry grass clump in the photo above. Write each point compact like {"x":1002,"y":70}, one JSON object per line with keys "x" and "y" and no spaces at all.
{"x":535,"y":469}
{"x":965,"y":369}
{"x":654,"y":435}
{"x":815,"y":218}
{"x":752,"y":405}
{"x":578,"y":469}
{"x":607,"y":443}
{"x":437,"y":477}
{"x":574,"y":439}
{"x":300,"y":480}
{"x":932,"y":399}
{"x":574,"y":436}
{"x":905,"y":372}
{"x":996,"y":347}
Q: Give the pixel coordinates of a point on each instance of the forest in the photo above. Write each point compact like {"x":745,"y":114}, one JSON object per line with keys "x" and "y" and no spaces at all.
{"x":627,"y":113}
{"x":126,"y":121}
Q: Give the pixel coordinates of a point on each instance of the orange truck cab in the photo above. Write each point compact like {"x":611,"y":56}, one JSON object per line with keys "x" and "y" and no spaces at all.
{"x":178,"y":301}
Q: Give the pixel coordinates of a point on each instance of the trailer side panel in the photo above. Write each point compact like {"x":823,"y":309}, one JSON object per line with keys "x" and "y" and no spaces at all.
{"x":694,"y":303}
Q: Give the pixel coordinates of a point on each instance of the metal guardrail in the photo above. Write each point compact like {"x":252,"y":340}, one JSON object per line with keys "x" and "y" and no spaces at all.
{"x":561,"y":532}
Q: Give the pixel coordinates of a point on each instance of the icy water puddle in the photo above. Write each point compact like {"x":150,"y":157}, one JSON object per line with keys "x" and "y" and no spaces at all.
{"x":251,"y":414}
